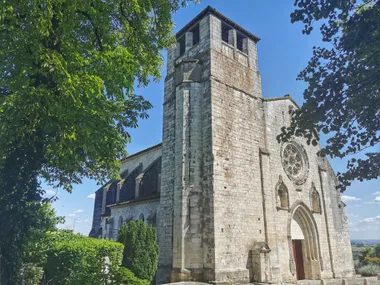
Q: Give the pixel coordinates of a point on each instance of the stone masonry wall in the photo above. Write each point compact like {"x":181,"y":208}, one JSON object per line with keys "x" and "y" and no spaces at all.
{"x":146,"y":211}
{"x":336,"y":260}
{"x":237,"y":131}
{"x":145,"y":158}
{"x":182,"y":219}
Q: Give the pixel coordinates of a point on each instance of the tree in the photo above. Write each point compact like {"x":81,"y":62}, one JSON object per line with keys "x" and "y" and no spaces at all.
{"x":140,"y":249}
{"x":66,"y":96}
{"x":20,"y":212}
{"x":45,"y":220}
{"x":343,"y":96}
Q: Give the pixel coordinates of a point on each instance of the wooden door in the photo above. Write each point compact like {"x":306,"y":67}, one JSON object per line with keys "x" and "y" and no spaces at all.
{"x":298,"y":258}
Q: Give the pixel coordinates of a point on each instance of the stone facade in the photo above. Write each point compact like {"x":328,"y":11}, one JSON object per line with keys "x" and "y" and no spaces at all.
{"x":235,"y":205}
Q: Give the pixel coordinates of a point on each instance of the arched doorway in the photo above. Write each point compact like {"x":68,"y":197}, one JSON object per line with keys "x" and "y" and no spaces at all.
{"x":304,"y":243}
{"x":298,"y":239}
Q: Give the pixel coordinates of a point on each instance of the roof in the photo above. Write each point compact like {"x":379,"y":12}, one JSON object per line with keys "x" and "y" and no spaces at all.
{"x":141,"y":152}
{"x":286,"y":97}
{"x":212,"y":11}
{"x":132,"y":156}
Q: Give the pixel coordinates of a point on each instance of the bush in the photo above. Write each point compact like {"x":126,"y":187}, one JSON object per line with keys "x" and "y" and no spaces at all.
{"x":370,"y":270}
{"x":78,"y":260}
{"x":32,"y":274}
{"x":140,"y":249}
{"x":125,"y":276}
{"x":367,"y":252}
{"x":372,"y":260}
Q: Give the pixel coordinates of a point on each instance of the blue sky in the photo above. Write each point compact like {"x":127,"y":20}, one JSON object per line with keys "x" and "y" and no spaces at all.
{"x":283,"y":53}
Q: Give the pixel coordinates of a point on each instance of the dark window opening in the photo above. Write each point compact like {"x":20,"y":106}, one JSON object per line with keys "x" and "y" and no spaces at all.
{"x":240,"y":43}
{"x":182,"y":45}
{"x":195,"y":32}
{"x":225,"y":32}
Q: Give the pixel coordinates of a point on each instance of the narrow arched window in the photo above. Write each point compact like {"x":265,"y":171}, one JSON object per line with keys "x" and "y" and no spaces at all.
{"x":141,"y":217}
{"x":283,"y":196}
{"x":120,"y":222}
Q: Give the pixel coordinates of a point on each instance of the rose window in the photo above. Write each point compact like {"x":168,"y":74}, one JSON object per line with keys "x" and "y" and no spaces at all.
{"x":294,"y":162}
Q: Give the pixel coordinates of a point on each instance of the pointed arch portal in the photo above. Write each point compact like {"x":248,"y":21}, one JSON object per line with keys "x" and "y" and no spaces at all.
{"x":303,"y":243}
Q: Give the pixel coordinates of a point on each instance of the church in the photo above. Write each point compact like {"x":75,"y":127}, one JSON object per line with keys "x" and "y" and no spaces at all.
{"x":230,"y":203}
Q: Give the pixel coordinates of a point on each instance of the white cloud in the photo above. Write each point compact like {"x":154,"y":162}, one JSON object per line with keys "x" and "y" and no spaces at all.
{"x":377,"y":199}
{"x":75,"y":213}
{"x":91,"y":196}
{"x":349,"y":198}
{"x":370,"y":220}
{"x":376,"y":193}
{"x":50,"y":193}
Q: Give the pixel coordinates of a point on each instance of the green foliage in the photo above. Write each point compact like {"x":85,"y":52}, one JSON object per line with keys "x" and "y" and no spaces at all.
{"x":140,"y":249}
{"x":19,"y":210}
{"x":367,"y":262}
{"x":372,"y":260}
{"x":66,"y":97}
{"x":32,"y":274}
{"x":122,"y":233}
{"x":46,"y":222}
{"x":67,"y":81}
{"x":125,"y":276}
{"x":367,"y":252}
{"x":377,"y":250}
{"x":77,"y":260}
{"x":370,"y":270}
{"x":342,"y":98}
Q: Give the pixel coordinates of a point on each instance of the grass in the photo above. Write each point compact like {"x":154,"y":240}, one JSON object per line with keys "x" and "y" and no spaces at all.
{"x":370,"y":270}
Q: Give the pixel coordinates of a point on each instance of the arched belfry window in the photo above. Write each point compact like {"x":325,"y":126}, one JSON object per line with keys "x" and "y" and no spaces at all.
{"x":315,"y":200}
{"x":282,"y":195}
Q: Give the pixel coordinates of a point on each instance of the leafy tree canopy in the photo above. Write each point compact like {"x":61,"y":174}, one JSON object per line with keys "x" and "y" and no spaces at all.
{"x":343,"y":97}
{"x":67,"y":76}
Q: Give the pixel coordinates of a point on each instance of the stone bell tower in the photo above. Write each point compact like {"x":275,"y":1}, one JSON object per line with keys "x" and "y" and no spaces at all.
{"x":214,"y":59}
